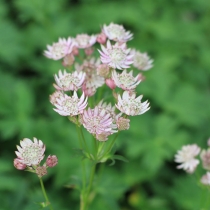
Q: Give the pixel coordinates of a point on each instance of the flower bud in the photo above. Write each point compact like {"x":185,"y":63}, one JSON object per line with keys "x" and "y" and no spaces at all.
{"x":18,"y":165}
{"x":68,"y":60}
{"x":41,"y":171}
{"x":110,"y":83}
{"x":101,"y":38}
{"x":52,"y":161}
{"x":103,"y":70}
{"x":89,"y":51}
{"x":123,"y":123}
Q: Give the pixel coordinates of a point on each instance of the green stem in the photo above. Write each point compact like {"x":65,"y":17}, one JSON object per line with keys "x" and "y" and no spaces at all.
{"x":90,"y":184}
{"x":45,"y":194}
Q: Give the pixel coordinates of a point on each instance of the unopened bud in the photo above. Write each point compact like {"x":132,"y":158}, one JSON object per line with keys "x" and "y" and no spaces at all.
{"x":101,"y":38}
{"x":110,"y":83}
{"x":18,"y":165}
{"x":52,"y":161}
{"x":89,"y":51}
{"x":103,"y":70}
{"x":68,"y":60}
{"x":41,"y":171}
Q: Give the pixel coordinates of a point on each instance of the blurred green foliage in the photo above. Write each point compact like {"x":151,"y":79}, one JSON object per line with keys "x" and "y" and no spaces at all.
{"x":175,"y":33}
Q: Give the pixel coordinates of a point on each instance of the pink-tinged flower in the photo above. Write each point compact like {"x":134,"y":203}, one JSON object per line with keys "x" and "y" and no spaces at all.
{"x":18,"y":165}
{"x":186,"y":155}
{"x":41,"y":171}
{"x":117,"y":33}
{"x":125,"y":80}
{"x":59,"y":49}
{"x":116,"y":56}
{"x":141,"y":60}
{"x":205,"y":157}
{"x":98,"y":121}
{"x":52,"y":161}
{"x":205,"y":179}
{"x":70,"y":106}
{"x":68,"y":81}
{"x":130,"y":105}
{"x":30,"y":153}
{"x":92,"y":79}
{"x":85,"y":41}
{"x":110,"y":83}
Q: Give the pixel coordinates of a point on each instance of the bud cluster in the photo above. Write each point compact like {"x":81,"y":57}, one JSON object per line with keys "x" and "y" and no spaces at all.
{"x":93,"y":62}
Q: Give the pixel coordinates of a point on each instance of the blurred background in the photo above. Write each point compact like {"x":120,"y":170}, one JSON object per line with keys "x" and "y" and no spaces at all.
{"x":176,"y":34}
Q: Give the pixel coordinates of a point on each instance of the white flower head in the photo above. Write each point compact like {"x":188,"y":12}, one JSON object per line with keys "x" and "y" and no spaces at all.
{"x":117,"y":33}
{"x":186,"y":155}
{"x":141,"y":60}
{"x":70,"y":106}
{"x":125,"y":80}
{"x":116,"y":56}
{"x":30,"y":153}
{"x":84,"y":41}
{"x":60,"y":49}
{"x":130,"y":105}
{"x":68,"y":81}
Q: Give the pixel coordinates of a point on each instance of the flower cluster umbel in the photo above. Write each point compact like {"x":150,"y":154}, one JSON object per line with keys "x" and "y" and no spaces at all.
{"x":188,"y":161}
{"x":87,"y":70}
{"x":30,"y":154}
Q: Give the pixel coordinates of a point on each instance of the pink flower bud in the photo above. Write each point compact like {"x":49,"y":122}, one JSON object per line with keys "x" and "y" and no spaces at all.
{"x":75,"y":51}
{"x":89,"y":51}
{"x":101,"y":38}
{"x":141,"y":77}
{"x":41,"y":171}
{"x":52,"y":161}
{"x":68,"y":60}
{"x":18,"y":165}
{"x":123,"y":123}
{"x":110,"y":83}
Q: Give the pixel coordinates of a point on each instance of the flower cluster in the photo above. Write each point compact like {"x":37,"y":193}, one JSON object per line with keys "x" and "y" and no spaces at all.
{"x":87,"y":74}
{"x":30,"y":154}
{"x":188,"y":161}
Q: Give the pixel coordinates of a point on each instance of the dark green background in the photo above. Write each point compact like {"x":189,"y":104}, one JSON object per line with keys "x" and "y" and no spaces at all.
{"x":175,"y":33}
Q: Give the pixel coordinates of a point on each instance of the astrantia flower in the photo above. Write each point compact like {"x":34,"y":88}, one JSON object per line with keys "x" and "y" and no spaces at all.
{"x":141,"y":60}
{"x":130,"y":105}
{"x":85,"y":41}
{"x":116,"y":56}
{"x":70,"y":106}
{"x":30,"y":153}
{"x":92,"y":79}
{"x":205,"y":179}
{"x":117,"y":33}
{"x":125,"y":80}
{"x":68,"y":81}
{"x":98,"y":121}
{"x":186,"y":155}
{"x":59,"y":49}
{"x":205,"y":157}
